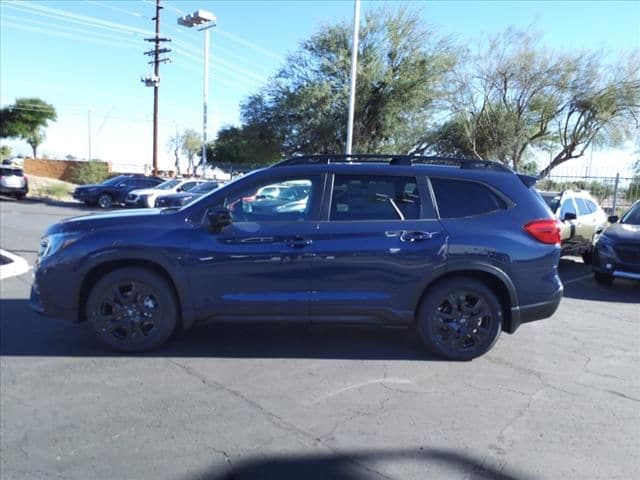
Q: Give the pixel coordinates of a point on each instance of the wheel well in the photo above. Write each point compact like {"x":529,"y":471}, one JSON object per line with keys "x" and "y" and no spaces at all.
{"x":496,"y":285}
{"x":103,"y":269}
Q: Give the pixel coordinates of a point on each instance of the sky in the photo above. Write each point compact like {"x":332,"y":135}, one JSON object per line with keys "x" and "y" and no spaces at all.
{"x":86,"y":58}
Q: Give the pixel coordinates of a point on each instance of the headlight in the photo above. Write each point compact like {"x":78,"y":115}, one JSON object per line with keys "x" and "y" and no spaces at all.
{"x":605,"y":244}
{"x":185,"y":200}
{"x":55,"y":242}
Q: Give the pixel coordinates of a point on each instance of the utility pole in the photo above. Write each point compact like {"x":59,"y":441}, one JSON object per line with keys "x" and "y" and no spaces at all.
{"x":155,"y":80}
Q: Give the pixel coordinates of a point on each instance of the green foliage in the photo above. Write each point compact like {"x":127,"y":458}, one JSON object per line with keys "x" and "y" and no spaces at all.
{"x":243,"y":148}
{"x":5,"y":152}
{"x":89,"y":172}
{"x":26,"y":119}
{"x":400,"y":68}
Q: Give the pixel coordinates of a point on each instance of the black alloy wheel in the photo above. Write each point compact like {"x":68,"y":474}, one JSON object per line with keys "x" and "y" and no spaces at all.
{"x":460,"y":319}
{"x":132,"y":310}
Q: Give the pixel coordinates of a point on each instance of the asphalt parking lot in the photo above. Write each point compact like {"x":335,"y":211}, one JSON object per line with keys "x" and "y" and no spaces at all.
{"x":559,"y":399}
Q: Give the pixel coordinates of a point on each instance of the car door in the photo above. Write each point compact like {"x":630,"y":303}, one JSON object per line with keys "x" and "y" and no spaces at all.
{"x":378,"y":244}
{"x":257,"y":268}
{"x":568,"y":228}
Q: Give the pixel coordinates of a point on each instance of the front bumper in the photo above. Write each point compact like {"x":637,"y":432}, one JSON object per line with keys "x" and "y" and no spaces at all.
{"x":140,"y":202}
{"x":606,"y":261}
{"x":54,"y":294}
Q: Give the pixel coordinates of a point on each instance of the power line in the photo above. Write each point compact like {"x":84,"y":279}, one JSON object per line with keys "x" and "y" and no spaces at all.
{"x":115,"y":9}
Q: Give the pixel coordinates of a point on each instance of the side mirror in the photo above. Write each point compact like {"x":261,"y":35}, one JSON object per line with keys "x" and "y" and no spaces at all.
{"x":219,"y":218}
{"x":179,"y":189}
{"x":612,"y":219}
{"x":569,"y":216}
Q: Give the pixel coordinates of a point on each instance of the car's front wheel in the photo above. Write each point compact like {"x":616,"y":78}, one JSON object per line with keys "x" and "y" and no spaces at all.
{"x":105,"y":200}
{"x":459,"y":319}
{"x":132,"y":310}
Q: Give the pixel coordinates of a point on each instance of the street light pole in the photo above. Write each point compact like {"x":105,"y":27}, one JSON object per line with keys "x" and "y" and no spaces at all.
{"x":354,"y":65}
{"x":205,"y":20}
{"x":205,"y":95}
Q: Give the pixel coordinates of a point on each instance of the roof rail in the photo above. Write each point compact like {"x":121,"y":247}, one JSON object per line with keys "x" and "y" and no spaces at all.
{"x":394,"y":160}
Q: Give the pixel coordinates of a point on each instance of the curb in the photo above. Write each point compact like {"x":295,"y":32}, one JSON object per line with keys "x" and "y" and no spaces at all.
{"x":16,"y":266}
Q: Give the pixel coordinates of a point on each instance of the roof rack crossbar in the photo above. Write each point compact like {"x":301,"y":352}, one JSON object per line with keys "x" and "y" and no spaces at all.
{"x":393,"y":160}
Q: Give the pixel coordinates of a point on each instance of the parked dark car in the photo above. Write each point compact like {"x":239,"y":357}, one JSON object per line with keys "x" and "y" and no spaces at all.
{"x":182,"y":198}
{"x":13,"y":181}
{"x":459,"y":249}
{"x":617,"y":249}
{"x":113,"y":191}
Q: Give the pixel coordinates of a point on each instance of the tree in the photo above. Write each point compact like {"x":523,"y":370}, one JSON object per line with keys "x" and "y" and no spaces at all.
{"x":27,"y":119}
{"x":175,"y":144}
{"x":5,"y":151}
{"x":191,"y":146}
{"x":243,"y":148}
{"x":511,"y":97}
{"x":400,"y":67}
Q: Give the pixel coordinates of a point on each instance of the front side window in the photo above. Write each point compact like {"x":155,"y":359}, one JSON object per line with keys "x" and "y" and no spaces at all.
{"x":374,"y":197}
{"x":567,"y":207}
{"x":632,"y":217}
{"x":285,"y":200}
{"x":462,"y":198}
{"x":168,"y":185}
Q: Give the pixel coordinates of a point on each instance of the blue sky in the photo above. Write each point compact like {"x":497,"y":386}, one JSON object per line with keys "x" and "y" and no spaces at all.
{"x":81,"y":55}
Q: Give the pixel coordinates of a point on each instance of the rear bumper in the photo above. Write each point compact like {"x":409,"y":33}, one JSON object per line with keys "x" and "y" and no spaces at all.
{"x":536,"y":311}
{"x":14,"y":190}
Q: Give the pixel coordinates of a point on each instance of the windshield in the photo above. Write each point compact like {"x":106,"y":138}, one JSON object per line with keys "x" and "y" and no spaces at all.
{"x":632,"y":217}
{"x":114,"y":180}
{"x":204,"y":187}
{"x":551,"y":199}
{"x":168,"y":185}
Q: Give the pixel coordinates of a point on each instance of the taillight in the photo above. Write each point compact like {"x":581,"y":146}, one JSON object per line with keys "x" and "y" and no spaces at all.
{"x":545,"y":230}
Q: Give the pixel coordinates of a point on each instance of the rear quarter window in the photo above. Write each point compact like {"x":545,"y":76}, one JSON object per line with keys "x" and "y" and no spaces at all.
{"x":464,"y":198}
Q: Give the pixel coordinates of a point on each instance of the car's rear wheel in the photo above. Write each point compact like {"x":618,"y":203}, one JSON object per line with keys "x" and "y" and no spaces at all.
{"x":132,"y":310}
{"x":603,"y":278}
{"x":105,"y":200}
{"x":459,"y":319}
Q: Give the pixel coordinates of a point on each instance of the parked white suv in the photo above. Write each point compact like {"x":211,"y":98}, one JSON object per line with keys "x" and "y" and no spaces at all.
{"x":581,"y":218}
{"x":147,"y":197}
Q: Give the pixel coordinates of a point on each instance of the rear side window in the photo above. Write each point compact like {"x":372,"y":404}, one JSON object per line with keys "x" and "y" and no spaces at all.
{"x":592,"y":205}
{"x":374,"y":197}
{"x":462,"y":198}
{"x":583,"y":208}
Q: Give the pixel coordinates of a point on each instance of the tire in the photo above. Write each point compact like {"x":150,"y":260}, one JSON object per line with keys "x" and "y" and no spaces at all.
{"x":132,"y":310}
{"x":603,"y":278}
{"x":587,"y":257}
{"x":444,"y":316}
{"x":20,"y":196}
{"x":105,"y":200}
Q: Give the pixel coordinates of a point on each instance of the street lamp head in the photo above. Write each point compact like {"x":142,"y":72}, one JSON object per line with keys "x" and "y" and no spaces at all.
{"x":197,"y":18}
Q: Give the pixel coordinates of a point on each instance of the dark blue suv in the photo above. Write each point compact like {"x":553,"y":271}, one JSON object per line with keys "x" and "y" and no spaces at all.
{"x":459,"y":249}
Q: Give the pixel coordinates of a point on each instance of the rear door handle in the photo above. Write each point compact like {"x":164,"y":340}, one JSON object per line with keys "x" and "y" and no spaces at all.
{"x":298,"y":242}
{"x":417,"y":236}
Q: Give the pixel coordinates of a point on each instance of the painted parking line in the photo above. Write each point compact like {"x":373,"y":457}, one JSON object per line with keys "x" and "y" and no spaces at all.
{"x":16,"y":266}
{"x":577,"y":279}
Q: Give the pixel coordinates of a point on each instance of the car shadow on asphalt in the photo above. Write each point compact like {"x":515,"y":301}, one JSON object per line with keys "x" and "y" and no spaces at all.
{"x":360,"y":465}
{"x":24,"y":333}
{"x":579,"y":283}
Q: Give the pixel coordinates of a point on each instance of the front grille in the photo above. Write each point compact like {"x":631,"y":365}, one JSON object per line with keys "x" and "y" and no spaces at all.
{"x":628,"y":253}
{"x":132,"y":197}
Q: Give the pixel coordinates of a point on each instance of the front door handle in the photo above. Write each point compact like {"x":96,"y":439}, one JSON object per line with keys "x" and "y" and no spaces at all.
{"x":417,"y":236}
{"x":298,"y":242}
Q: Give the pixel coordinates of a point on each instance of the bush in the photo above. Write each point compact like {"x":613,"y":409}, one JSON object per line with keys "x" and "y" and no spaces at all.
{"x":89,"y":172}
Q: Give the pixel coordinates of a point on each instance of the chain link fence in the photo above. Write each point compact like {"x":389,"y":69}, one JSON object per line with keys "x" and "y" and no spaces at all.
{"x":614,"y":194}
